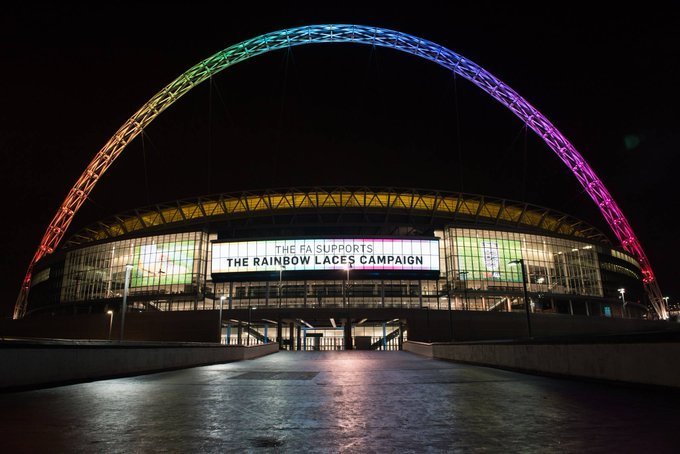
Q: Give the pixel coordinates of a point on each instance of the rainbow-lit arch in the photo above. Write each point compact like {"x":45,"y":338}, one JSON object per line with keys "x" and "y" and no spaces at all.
{"x":340,"y":33}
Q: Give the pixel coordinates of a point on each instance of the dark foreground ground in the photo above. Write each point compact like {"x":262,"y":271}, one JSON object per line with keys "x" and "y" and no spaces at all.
{"x":340,"y":402}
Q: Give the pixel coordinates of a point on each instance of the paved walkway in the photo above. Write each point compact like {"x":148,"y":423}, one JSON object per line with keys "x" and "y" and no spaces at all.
{"x":339,"y":402}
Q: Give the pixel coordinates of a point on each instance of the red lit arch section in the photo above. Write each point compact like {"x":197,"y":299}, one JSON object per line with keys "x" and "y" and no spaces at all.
{"x":340,"y":33}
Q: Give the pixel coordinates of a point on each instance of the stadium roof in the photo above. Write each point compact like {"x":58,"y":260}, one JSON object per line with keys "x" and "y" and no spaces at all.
{"x":477,"y":209}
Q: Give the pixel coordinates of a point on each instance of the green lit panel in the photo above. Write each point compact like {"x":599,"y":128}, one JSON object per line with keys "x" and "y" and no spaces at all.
{"x":488,"y":259}
{"x":163,"y":264}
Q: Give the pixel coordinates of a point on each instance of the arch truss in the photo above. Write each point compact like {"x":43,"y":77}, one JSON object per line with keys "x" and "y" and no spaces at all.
{"x":358,"y":34}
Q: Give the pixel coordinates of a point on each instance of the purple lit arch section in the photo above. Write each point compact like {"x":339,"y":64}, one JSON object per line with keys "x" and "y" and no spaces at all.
{"x":374,"y":36}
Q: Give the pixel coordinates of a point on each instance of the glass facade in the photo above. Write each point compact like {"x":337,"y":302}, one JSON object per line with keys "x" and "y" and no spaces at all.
{"x":479,"y":270}
{"x":329,"y":293}
{"x":489,"y":260}
{"x":161,"y":265}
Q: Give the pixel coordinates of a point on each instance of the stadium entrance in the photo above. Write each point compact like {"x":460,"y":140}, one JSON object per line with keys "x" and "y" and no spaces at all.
{"x":337,"y":332}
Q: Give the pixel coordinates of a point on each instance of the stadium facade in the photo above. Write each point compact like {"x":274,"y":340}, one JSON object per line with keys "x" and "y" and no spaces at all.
{"x":307,"y":251}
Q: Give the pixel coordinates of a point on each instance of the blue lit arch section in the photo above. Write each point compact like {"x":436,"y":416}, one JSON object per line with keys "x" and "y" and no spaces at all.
{"x":341,"y":33}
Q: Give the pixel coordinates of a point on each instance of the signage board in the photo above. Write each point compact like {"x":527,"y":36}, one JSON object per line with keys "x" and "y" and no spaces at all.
{"x":326,"y":254}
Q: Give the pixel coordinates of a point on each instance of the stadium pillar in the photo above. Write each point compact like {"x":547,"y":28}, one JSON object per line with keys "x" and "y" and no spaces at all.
{"x":279,"y":333}
{"x":239,"y":335}
{"x":384,"y":339}
{"x":304,"y":296}
{"x":382,"y":293}
{"x":348,"y":334}
{"x":231,"y":293}
{"x":401,"y":335}
{"x":291,"y":336}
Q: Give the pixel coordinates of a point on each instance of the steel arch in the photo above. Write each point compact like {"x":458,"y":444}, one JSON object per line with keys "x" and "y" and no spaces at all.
{"x":341,"y":33}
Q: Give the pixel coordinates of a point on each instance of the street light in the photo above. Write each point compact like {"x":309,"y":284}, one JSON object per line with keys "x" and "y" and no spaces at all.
{"x":347,"y":268}
{"x":128,"y":270}
{"x":463,"y":275}
{"x":222,"y":298}
{"x":250,"y":308}
{"x":622,"y":291}
{"x":281,"y":268}
{"x":110,"y":313}
{"x":520,"y":262}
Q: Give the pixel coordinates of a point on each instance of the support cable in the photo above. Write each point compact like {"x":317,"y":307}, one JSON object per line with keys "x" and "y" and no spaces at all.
{"x":524,"y":165}
{"x":210,"y":121}
{"x":282,"y":105}
{"x":459,"y":143}
{"x":146,"y":170}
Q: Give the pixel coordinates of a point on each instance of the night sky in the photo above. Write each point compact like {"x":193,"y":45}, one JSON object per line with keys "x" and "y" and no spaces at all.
{"x":338,"y":114}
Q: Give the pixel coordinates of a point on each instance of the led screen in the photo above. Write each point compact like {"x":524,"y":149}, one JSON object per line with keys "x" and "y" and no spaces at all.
{"x":488,"y":259}
{"x":325,"y":254}
{"x":162,"y":264}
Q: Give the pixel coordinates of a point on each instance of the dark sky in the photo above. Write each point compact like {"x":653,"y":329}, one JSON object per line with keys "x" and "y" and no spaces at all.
{"x":338,"y":114}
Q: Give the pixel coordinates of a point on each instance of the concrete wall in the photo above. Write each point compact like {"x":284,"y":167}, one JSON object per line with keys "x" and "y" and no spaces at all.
{"x":181,"y":326}
{"x":649,"y":363}
{"x":30,"y":364}
{"x":423,"y":325}
{"x":437,"y":326}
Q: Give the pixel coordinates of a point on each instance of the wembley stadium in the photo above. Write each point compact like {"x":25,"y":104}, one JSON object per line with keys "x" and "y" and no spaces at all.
{"x":329,"y":266}
{"x":337,"y":267}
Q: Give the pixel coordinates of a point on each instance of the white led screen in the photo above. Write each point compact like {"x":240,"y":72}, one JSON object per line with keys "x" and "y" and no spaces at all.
{"x":325,"y":254}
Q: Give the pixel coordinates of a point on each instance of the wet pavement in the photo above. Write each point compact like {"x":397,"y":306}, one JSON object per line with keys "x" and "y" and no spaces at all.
{"x":340,"y":402}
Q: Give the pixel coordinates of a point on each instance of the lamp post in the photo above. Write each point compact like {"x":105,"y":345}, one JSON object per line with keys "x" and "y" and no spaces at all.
{"x":463,"y":276}
{"x":281,"y":268}
{"x":128,"y":269}
{"x":219,"y":324}
{"x":622,"y":291}
{"x":520,"y":262}
{"x":110,"y":313}
{"x":250,"y":309}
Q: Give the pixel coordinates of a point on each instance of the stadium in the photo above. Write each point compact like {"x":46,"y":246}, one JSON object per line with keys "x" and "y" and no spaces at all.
{"x":339,"y":267}
{"x":327,"y":263}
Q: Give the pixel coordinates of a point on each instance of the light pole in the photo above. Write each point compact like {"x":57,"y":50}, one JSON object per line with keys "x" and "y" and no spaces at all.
{"x":110,"y":313}
{"x":622,"y":291}
{"x":463,"y":276}
{"x":281,"y":268}
{"x":520,"y":262}
{"x":250,"y":308}
{"x":128,"y":269}
{"x":222,"y":298}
